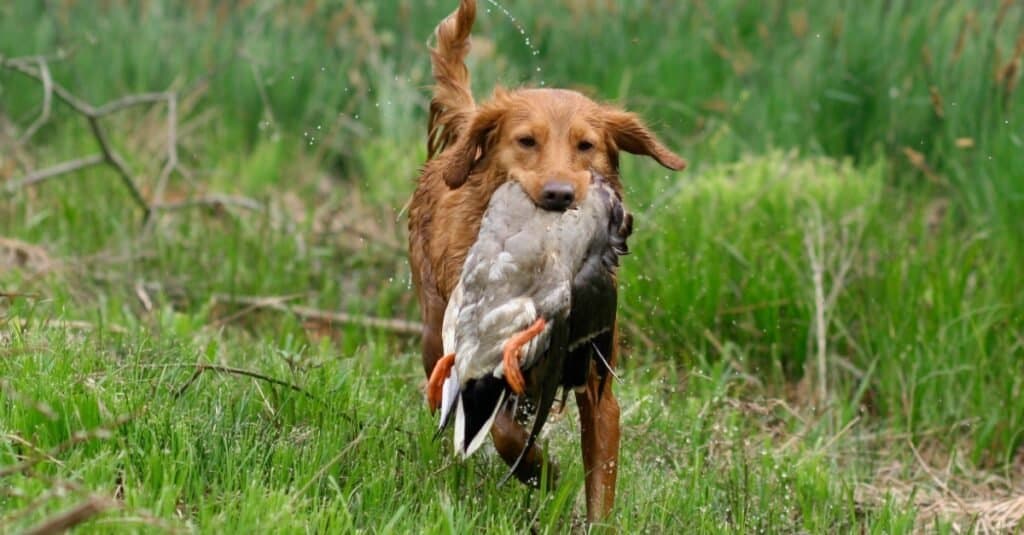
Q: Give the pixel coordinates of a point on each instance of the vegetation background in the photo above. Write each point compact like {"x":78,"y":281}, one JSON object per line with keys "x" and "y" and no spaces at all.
{"x":823,"y":316}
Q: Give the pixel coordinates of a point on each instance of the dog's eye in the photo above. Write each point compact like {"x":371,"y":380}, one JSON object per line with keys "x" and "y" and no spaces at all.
{"x":527,"y":142}
{"x":585,"y":146}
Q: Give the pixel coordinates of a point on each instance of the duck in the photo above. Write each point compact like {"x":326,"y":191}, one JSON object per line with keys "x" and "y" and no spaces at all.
{"x":510,"y":334}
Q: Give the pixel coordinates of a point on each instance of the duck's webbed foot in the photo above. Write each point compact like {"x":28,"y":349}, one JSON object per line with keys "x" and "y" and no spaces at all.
{"x":442,"y":369}
{"x":511,"y":353}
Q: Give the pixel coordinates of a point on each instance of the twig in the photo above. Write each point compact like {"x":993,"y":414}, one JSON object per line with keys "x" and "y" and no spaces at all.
{"x":172,"y":148}
{"x":44,"y":115}
{"x":268,"y":110}
{"x":753,"y":307}
{"x":76,"y":325}
{"x":203,"y":367}
{"x":66,"y":520}
{"x":129,"y":101}
{"x":249,"y":308}
{"x":56,"y":170}
{"x":41,"y":407}
{"x":143,"y":295}
{"x":77,"y":437}
{"x":57,"y":489}
{"x":212,"y":201}
{"x":323,"y":469}
{"x":395,"y":325}
{"x":115,"y":161}
{"x":815,"y":248}
{"x":935,"y":478}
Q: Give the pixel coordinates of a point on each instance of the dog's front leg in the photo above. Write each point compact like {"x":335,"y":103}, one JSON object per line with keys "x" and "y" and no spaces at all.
{"x":599,"y":427}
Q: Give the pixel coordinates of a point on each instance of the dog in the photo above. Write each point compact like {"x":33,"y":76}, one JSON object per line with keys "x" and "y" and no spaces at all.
{"x":550,"y":141}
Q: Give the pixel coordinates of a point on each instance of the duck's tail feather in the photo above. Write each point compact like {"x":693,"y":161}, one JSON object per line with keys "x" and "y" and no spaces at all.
{"x":449,"y":395}
{"x":478,"y":404}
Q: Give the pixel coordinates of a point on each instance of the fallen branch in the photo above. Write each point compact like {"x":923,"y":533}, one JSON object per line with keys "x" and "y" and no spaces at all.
{"x":203,"y":367}
{"x":395,"y":325}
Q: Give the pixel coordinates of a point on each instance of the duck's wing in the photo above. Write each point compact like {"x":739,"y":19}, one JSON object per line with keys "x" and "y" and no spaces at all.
{"x":595,"y":294}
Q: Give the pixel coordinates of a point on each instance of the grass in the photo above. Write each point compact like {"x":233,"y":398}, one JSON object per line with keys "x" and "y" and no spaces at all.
{"x":877,"y":147}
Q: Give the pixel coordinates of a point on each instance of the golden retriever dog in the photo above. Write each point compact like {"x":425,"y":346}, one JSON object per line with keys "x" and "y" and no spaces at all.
{"x":550,"y":141}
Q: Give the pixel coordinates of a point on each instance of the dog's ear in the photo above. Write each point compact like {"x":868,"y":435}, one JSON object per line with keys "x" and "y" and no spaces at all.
{"x":629,"y":133}
{"x":471,"y":145}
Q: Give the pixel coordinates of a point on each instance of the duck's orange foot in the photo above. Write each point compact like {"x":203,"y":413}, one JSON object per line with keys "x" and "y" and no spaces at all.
{"x":435,"y":385}
{"x":511,"y":353}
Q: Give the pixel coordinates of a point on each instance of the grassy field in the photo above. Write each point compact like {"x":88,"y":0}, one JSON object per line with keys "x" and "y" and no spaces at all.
{"x":823,"y":317}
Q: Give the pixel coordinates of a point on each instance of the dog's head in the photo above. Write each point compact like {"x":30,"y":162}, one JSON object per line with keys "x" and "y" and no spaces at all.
{"x":550,"y":140}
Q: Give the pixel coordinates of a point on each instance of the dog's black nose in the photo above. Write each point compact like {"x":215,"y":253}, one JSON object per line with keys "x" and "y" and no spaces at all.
{"x":557,"y":196}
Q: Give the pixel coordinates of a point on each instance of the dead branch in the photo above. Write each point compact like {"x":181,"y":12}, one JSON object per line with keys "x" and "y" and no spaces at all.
{"x":203,"y":367}
{"x":78,"y":514}
{"x":399,"y":326}
{"x":830,"y":255}
{"x":37,"y":68}
{"x":92,"y":114}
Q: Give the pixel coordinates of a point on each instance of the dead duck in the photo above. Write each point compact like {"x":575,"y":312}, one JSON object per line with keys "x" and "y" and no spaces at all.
{"x":534,"y":306}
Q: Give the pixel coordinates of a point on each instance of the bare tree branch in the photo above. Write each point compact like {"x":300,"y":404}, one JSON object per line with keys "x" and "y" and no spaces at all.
{"x":36,"y":67}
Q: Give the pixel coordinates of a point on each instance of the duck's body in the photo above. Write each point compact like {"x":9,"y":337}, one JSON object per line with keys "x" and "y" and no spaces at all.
{"x":512,"y":311}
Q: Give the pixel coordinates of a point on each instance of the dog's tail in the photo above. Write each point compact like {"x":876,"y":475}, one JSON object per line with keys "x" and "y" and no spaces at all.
{"x":452,"y":104}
